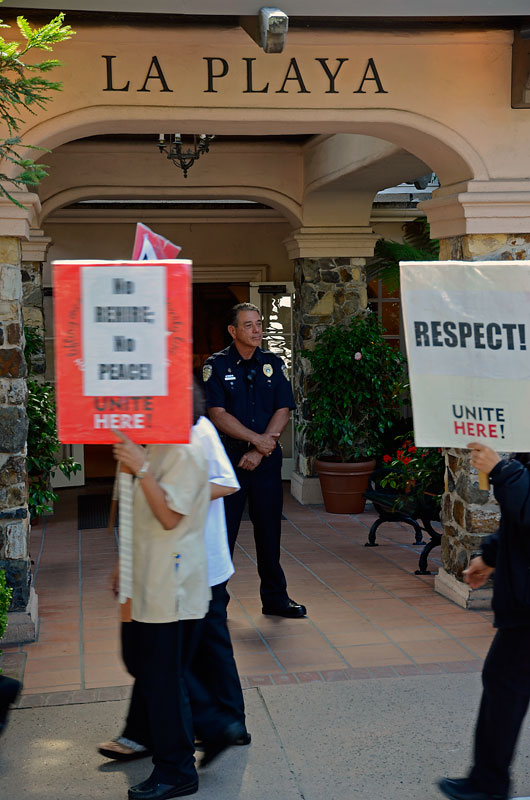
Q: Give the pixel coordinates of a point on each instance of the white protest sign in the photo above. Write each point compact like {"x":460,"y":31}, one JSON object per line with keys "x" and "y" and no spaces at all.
{"x":124,"y":324}
{"x":467,"y":330}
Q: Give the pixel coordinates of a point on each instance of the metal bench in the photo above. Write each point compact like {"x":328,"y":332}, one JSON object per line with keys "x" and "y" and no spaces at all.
{"x":384,"y":502}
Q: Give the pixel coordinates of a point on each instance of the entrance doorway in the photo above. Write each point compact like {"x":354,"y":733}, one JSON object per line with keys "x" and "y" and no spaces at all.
{"x":211,"y":308}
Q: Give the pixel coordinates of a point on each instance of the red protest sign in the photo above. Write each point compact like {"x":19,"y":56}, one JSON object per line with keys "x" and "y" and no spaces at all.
{"x":150,"y":246}
{"x":123,"y":355}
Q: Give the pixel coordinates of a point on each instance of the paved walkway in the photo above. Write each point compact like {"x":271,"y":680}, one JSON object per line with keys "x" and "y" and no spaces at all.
{"x":369,"y":615}
{"x":379,"y":739}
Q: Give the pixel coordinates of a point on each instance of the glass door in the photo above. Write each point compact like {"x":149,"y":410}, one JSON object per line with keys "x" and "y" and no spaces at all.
{"x":275,"y":301}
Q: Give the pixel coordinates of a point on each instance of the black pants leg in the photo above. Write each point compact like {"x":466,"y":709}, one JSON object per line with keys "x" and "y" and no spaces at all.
{"x":505,"y":698}
{"x":235,"y":503}
{"x":159,"y":702}
{"x":263,"y":487}
{"x":265,"y":504}
{"x":137,"y":721}
{"x":212,"y":679}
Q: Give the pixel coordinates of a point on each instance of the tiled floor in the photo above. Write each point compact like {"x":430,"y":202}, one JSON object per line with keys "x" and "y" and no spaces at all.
{"x":369,"y":615}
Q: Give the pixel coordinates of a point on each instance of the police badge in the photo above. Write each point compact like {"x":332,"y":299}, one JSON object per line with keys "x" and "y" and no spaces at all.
{"x":267,"y":370}
{"x":206,"y":372}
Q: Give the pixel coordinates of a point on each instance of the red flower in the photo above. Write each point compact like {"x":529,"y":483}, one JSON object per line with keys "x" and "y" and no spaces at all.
{"x":399,"y":453}
{"x":406,"y":460}
{"x":423,"y":455}
{"x":387,"y":459}
{"x":413,"y":449}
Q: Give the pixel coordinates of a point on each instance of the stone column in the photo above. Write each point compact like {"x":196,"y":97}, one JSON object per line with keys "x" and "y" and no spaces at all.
{"x":468,"y":513}
{"x":34,"y":252}
{"x":14,"y":518}
{"x":330,"y":287}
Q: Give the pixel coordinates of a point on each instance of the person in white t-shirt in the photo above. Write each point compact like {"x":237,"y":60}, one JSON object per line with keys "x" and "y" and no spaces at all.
{"x":213,"y":682}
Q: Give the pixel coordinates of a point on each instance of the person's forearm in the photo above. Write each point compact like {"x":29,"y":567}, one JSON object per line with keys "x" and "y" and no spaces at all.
{"x":278,"y":421}
{"x":156,"y":499}
{"x":217,"y":491}
{"x":228,"y":424}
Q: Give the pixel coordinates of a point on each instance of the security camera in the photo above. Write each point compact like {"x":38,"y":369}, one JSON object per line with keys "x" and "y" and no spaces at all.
{"x":273,"y":25}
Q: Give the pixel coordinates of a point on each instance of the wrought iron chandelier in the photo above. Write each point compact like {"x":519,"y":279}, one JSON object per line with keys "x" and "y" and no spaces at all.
{"x":182,"y":155}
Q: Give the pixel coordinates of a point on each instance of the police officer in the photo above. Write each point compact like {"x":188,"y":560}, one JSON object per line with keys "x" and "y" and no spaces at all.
{"x":249,"y":398}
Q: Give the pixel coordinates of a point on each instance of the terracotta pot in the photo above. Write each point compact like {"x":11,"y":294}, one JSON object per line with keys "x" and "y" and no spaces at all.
{"x":343,"y":485}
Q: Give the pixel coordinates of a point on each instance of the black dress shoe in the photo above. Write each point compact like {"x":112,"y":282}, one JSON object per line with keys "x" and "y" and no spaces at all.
{"x":462,"y":789}
{"x":151,"y":789}
{"x":292,"y":610}
{"x":233,"y":734}
{"x":241,"y":741}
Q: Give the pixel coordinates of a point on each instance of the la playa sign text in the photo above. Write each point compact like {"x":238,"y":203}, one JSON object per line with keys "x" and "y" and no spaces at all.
{"x":332,"y":76}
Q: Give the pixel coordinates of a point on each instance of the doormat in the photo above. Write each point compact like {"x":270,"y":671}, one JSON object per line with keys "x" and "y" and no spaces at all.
{"x":93,"y":511}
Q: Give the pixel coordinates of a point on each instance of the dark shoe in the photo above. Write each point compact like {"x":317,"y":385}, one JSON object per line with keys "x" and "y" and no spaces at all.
{"x":462,"y":789}
{"x":241,"y":741}
{"x":292,"y":610}
{"x":120,"y":749}
{"x":234,"y":734}
{"x":9,"y":691}
{"x":152,"y":790}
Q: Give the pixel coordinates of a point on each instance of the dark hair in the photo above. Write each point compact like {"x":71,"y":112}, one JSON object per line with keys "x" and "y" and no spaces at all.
{"x":241,"y":307}
{"x":199,"y":404}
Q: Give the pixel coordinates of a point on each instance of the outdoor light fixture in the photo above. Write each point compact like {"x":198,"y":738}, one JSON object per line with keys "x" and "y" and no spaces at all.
{"x":182,"y":155}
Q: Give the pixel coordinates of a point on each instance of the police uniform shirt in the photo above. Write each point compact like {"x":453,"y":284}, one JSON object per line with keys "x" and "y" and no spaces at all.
{"x":251,"y":390}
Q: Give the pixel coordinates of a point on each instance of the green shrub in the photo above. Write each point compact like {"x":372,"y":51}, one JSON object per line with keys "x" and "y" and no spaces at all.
{"x":43,"y":444}
{"x":5,"y":599}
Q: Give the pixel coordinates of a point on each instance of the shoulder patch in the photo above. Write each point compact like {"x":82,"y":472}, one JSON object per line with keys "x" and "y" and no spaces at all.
{"x":268,"y":370}
{"x":206,"y":372}
{"x":285,"y":372}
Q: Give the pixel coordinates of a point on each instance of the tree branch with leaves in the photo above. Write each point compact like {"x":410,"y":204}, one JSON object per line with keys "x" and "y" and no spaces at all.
{"x":24,"y":87}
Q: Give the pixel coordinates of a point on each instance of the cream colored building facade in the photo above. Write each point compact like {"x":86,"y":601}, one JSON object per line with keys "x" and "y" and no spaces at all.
{"x":305,"y":140}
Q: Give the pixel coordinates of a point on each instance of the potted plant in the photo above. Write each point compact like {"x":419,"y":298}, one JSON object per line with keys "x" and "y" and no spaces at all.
{"x":354,"y":396}
{"x":43,"y":457}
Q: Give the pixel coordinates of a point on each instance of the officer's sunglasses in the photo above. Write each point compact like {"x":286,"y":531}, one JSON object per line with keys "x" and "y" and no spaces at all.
{"x":251,"y":375}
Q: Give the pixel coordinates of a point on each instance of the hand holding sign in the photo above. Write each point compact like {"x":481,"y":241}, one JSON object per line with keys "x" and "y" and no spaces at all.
{"x":127,"y":453}
{"x":483,"y":458}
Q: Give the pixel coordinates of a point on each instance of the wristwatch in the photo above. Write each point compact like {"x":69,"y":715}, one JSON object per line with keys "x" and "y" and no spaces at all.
{"x":142,"y":472}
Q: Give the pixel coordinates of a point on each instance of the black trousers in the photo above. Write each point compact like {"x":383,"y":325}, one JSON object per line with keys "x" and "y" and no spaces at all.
{"x":505,"y":698}
{"x":264,"y":490}
{"x":211,"y":677}
{"x":159,"y":714}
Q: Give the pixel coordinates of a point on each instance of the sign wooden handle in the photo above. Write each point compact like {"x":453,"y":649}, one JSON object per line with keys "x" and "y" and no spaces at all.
{"x":483,"y":481}
{"x":125,"y":611}
{"x":112,"y":515}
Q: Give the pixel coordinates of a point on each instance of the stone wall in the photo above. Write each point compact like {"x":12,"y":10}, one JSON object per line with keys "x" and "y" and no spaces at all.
{"x":14,"y":522}
{"x":327,"y":291}
{"x":469,"y":513}
{"x":33,"y":306}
